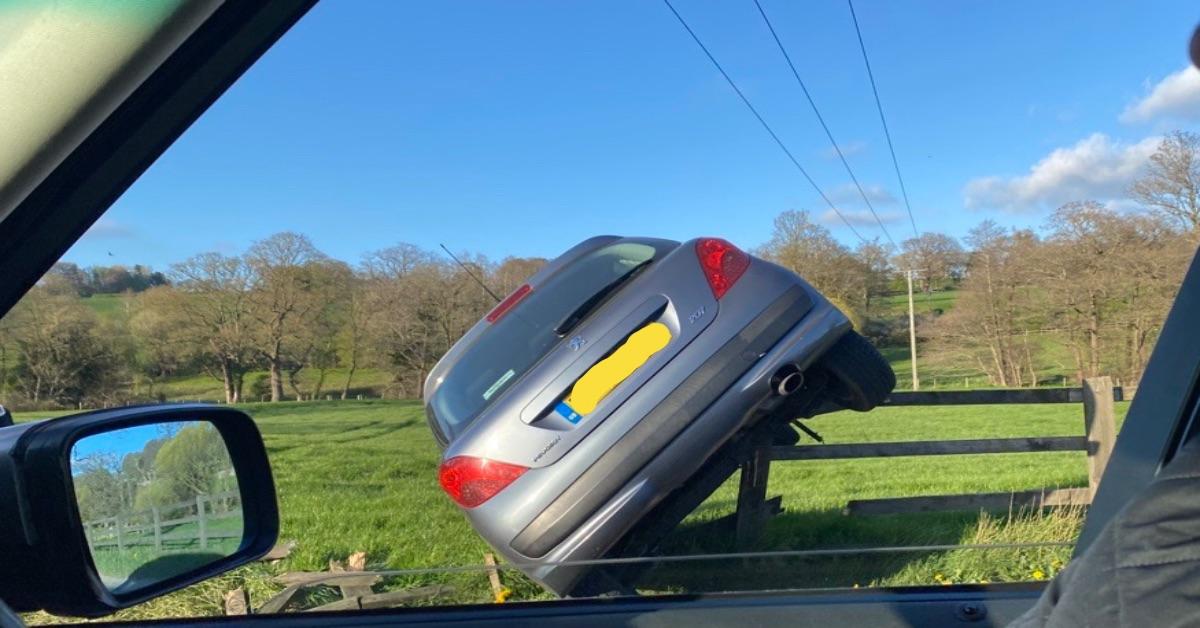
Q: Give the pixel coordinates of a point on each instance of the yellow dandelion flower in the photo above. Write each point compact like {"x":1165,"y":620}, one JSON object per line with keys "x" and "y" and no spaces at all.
{"x":1038,"y":574}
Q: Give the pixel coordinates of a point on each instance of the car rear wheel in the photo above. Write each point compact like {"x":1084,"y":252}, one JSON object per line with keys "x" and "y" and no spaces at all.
{"x":861,"y":377}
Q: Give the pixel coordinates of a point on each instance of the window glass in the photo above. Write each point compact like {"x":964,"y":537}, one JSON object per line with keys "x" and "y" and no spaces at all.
{"x":344,"y":215}
{"x":503,"y":351}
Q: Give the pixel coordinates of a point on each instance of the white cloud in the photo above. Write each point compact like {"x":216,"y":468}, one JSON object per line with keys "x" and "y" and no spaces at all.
{"x":108,"y":229}
{"x":859,"y":217}
{"x":852,"y":147}
{"x":1177,"y":97}
{"x":1097,"y":168}
{"x":847,"y":193}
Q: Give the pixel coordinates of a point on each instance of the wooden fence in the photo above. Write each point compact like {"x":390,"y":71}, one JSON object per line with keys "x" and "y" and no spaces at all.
{"x":153,"y":528}
{"x":1099,"y":431}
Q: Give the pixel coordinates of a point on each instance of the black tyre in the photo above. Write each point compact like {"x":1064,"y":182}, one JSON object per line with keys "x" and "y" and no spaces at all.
{"x":860,"y":378}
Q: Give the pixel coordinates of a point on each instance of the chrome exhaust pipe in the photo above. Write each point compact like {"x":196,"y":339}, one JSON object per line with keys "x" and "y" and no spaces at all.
{"x":787,"y":380}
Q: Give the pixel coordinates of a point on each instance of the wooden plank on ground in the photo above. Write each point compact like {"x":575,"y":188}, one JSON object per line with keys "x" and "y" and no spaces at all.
{"x":931,"y":448}
{"x":975,"y":502}
{"x":280,"y":601}
{"x":281,"y":550}
{"x":356,"y":562}
{"x":386,"y":600}
{"x":489,"y":559}
{"x":237,"y":602}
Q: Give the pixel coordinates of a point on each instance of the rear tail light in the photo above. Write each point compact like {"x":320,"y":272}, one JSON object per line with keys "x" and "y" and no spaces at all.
{"x":508,"y":303}
{"x":723,"y":264}
{"x":471,"y":481}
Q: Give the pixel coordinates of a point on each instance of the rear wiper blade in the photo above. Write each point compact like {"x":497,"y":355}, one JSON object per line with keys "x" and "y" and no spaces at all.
{"x":585,"y":308}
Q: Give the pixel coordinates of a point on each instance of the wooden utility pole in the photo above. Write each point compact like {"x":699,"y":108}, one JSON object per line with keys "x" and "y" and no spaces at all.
{"x":912,"y":331}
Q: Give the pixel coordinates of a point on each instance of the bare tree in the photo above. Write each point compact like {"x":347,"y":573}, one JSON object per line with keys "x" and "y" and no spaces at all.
{"x":161,"y":341}
{"x":1170,"y":186}
{"x":988,"y":328}
{"x":809,"y":249}
{"x":938,"y":256}
{"x":314,"y":342}
{"x":283,"y":301}
{"x":61,"y":356}
{"x":213,"y":295}
{"x":875,"y":263}
{"x":1110,"y":278}
{"x":356,"y":317}
{"x":422,"y":305}
{"x":514,"y":271}
{"x":1150,"y":268}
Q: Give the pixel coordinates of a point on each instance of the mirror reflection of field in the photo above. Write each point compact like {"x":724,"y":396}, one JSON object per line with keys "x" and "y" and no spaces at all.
{"x":179,"y":531}
{"x":156,"y":500}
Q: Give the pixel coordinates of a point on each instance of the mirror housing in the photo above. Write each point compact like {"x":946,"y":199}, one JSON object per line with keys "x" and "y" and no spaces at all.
{"x":47,"y":561}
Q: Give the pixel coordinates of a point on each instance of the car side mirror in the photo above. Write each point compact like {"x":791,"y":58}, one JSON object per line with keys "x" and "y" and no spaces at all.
{"x":106,"y":509}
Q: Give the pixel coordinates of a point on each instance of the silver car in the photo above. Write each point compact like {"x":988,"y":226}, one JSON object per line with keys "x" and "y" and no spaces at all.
{"x":595,"y":390}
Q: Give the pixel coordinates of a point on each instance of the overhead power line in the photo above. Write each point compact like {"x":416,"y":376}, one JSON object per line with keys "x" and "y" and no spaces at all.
{"x":883,"y":119}
{"x":821,"y":119}
{"x":763,"y":122}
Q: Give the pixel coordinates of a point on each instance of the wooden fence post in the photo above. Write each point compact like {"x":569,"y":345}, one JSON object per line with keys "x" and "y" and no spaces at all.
{"x":752,"y":494}
{"x":120,"y":541}
{"x":200,"y":522}
{"x":1100,"y":425}
{"x":157,"y":529}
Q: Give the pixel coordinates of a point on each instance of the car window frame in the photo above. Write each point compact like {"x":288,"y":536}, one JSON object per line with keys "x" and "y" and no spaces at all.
{"x":73,"y":195}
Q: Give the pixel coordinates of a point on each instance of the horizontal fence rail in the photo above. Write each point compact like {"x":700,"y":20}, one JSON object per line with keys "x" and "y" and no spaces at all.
{"x":931,"y":448}
{"x":997,"y":396}
{"x":117,"y":532}
{"x":976,"y":501}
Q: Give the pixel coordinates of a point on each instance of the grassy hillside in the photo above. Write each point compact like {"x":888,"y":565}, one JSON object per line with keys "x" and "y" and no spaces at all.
{"x":108,"y":306}
{"x":897,"y":304}
{"x":361,"y":476}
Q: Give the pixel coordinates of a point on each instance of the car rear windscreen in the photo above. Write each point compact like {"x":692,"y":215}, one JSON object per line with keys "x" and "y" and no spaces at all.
{"x":510,"y":346}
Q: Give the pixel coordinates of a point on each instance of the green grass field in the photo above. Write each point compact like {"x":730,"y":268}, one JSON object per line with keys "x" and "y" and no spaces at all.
{"x":361,"y":476}
{"x":897,"y":304}
{"x":108,"y":306}
{"x":368,"y":381}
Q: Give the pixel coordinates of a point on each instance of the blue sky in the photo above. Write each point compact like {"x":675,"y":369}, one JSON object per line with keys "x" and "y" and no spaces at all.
{"x":118,"y":443}
{"x":523,"y":127}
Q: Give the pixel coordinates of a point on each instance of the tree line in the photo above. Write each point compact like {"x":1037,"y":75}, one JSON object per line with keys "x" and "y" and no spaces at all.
{"x":69,"y":278}
{"x":1085,"y":293}
{"x":184,"y":461}
{"x":283,"y":306}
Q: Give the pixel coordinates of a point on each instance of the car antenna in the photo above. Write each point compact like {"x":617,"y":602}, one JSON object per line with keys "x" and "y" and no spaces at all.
{"x":471,"y":274}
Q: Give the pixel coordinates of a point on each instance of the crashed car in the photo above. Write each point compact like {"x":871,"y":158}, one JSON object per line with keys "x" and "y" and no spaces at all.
{"x":607,"y":381}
